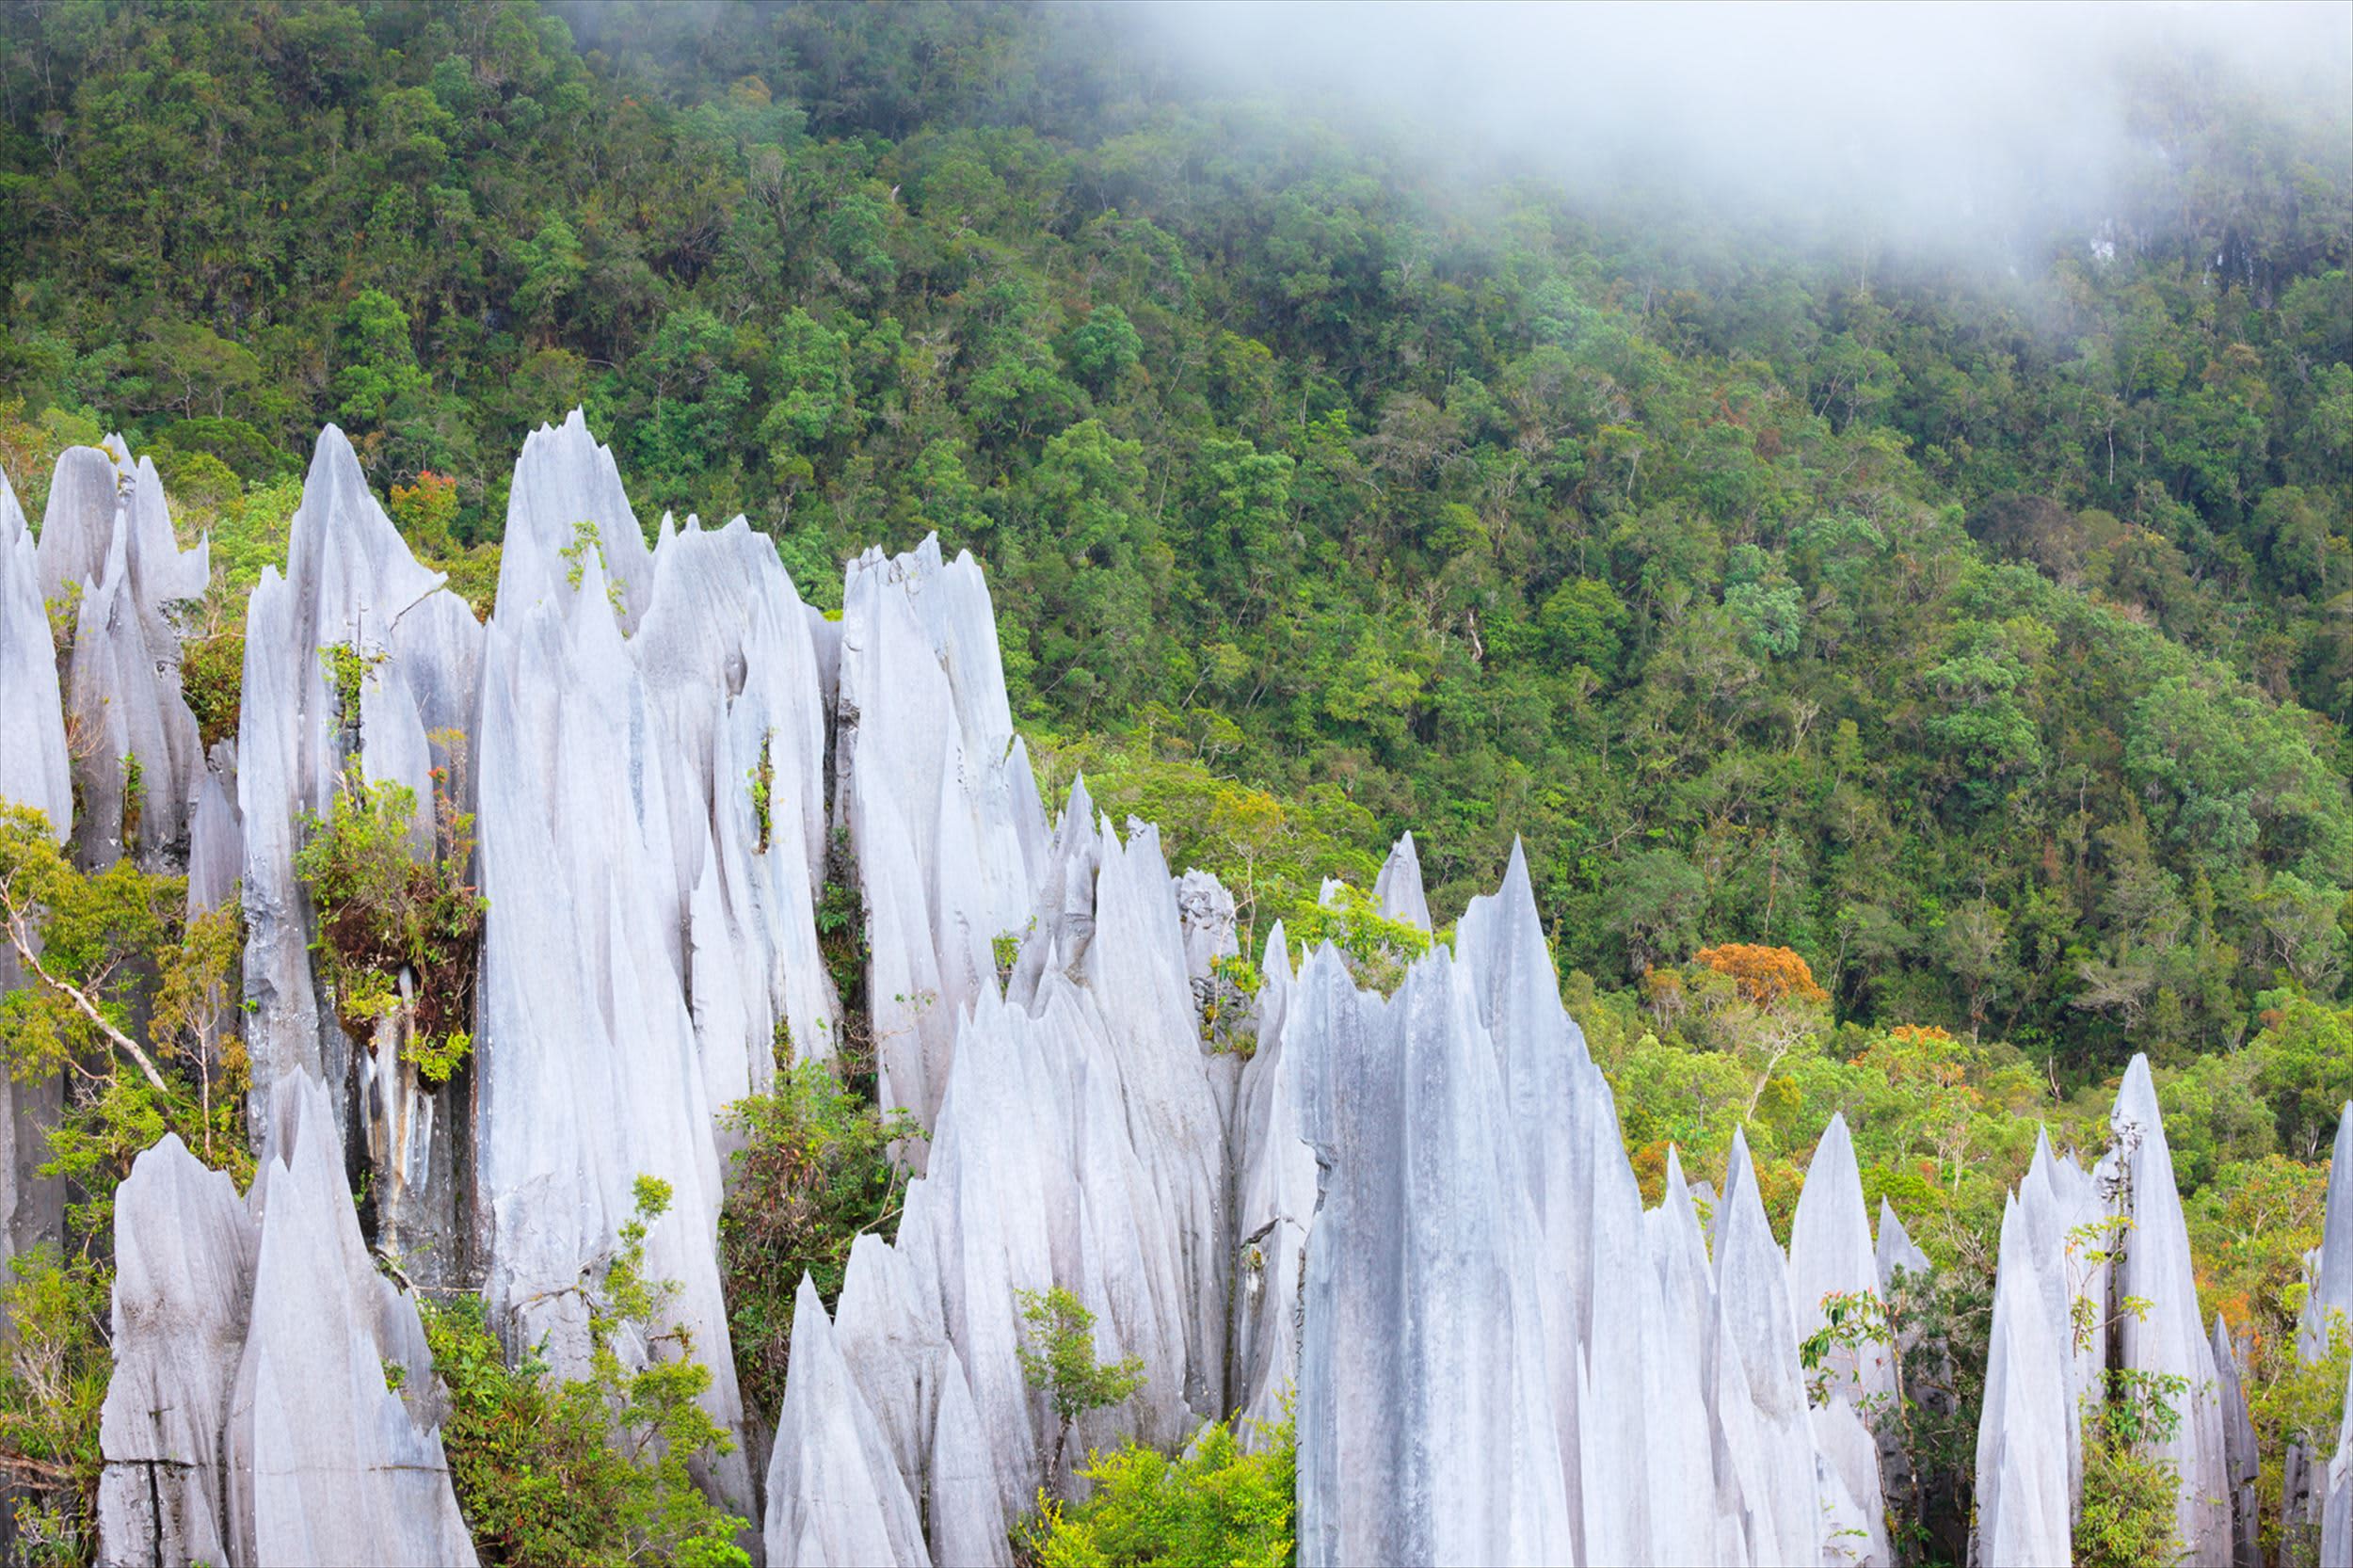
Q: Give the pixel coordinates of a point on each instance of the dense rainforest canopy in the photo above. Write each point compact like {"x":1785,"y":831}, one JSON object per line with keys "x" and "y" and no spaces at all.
{"x":1920,"y":677}
{"x":1981,"y":634}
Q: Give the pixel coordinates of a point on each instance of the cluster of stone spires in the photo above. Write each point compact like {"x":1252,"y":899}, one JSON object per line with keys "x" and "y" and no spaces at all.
{"x":1412,"y":1215}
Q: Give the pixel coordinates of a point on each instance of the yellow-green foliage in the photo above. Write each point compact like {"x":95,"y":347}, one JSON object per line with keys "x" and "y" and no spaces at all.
{"x":383,"y":911}
{"x":112,"y":950}
{"x":1058,"y":1357}
{"x":52,"y":1382}
{"x":1216,"y":1507}
{"x":212,"y":679}
{"x":1272,"y":854}
{"x":815,"y":1174}
{"x":592,"y":1472}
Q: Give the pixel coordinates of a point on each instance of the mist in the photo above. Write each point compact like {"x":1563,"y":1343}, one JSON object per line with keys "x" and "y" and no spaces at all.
{"x":1949,"y":127}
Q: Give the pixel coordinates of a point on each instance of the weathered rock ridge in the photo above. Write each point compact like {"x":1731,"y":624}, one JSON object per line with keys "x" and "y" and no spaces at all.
{"x":1409,"y":1216}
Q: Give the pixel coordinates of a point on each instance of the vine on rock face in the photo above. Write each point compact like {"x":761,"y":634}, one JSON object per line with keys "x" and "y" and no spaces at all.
{"x":386,"y":915}
{"x":762,"y":780}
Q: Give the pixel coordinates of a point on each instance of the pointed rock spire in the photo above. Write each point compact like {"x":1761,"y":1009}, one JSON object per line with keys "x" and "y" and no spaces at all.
{"x":1398,"y":890}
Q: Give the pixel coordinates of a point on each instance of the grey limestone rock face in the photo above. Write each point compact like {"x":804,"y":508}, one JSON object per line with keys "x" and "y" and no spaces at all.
{"x":2167,"y":1338}
{"x":1274,"y":1204}
{"x":352,"y":584}
{"x":1398,"y":888}
{"x":2336,"y":1492}
{"x":34,"y":772}
{"x":564,"y":478}
{"x":184,"y":1251}
{"x":1427,"y":1432}
{"x":2046,"y":1365}
{"x":2306,"y":1486}
{"x":33,"y":767}
{"x":2238,"y":1445}
{"x":1763,"y":1455}
{"x":2332,"y":1271}
{"x":590,"y":1069}
{"x":250,"y":1420}
{"x":107,"y":536}
{"x":834,"y":1492}
{"x":2024,"y":1511}
{"x":1896,"y":1253}
{"x":1205,"y":910}
{"x":1831,"y":1253}
{"x":652,"y":839}
{"x":938,"y":798}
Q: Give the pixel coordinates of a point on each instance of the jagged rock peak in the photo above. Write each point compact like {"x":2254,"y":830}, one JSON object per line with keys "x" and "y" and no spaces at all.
{"x":564,"y":478}
{"x":2168,"y":1338}
{"x":250,"y":1418}
{"x":33,"y":768}
{"x":1398,"y":890}
{"x":1896,"y":1250}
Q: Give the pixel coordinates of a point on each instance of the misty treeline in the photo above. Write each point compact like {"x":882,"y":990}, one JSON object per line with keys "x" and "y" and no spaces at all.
{"x":1975,"y":624}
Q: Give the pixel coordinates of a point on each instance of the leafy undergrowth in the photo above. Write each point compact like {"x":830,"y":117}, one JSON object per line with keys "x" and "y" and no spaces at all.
{"x":382,"y":911}
{"x":814,"y":1175}
{"x":98,"y":951}
{"x":589,"y":1472}
{"x":1216,"y":1507}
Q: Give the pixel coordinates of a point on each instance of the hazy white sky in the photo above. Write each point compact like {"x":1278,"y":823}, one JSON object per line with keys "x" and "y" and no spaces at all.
{"x":1932,"y":118}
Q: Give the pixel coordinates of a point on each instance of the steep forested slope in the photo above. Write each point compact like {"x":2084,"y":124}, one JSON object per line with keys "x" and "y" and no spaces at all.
{"x":1983,"y":639}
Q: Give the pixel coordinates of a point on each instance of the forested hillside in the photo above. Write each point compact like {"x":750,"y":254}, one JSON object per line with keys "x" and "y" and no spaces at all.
{"x":1986,"y":641}
{"x":1980,"y":634}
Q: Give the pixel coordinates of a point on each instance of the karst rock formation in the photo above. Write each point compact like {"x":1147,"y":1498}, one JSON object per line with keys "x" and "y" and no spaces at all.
{"x":1407,"y":1218}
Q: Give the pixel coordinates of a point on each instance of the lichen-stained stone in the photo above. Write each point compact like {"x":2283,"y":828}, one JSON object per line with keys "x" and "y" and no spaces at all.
{"x":836,"y":1498}
{"x":2167,"y":1339}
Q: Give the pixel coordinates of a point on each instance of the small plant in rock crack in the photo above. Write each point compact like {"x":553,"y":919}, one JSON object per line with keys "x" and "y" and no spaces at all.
{"x":1058,"y":1355}
{"x":762,"y":780}
{"x":347,"y":670}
